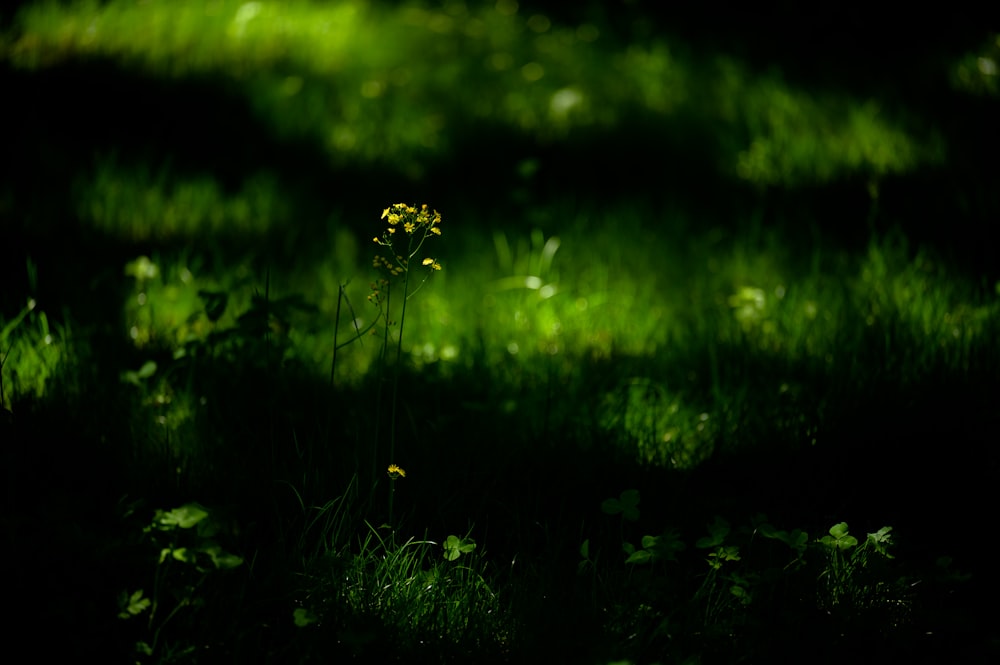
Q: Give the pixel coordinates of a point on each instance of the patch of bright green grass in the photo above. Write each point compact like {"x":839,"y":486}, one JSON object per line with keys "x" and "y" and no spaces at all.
{"x":928,"y":319}
{"x":139,"y":206}
{"x":412,"y":592}
{"x":395,"y":86}
{"x":682,"y":333}
{"x":33,"y":353}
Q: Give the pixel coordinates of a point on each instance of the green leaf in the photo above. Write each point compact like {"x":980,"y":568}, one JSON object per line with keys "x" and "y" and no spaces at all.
{"x":147,"y":370}
{"x":628,"y":548}
{"x":880,"y":540}
{"x":839,"y":530}
{"x":741,"y":593}
{"x":717,"y":532}
{"x":451,"y":551}
{"x":728,"y":553}
{"x":304,"y":617}
{"x":731,"y":553}
{"x":839,"y":538}
{"x":611,"y":506}
{"x":798,"y":540}
{"x":768,"y":531}
{"x":223,"y":560}
{"x":640,"y":556}
{"x":455,"y":547}
{"x":627,"y":504}
{"x":133,"y":605}
{"x":668,"y":545}
{"x":184,"y":517}
{"x":585,"y":549}
{"x":136,"y":378}
{"x":181,"y":554}
{"x":664,"y":546}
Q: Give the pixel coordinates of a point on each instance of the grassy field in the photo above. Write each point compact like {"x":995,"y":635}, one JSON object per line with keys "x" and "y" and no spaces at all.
{"x":698,"y":363}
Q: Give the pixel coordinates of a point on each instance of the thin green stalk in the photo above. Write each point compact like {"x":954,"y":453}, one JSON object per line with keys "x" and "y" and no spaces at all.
{"x":381,"y":375}
{"x":392,"y":496}
{"x":395,"y":378}
{"x":336,"y":327}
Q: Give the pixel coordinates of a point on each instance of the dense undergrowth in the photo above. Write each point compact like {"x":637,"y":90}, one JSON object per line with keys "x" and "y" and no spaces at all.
{"x":243,"y":495}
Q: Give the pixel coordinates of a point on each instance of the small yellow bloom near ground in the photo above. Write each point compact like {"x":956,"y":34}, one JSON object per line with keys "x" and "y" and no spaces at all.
{"x":396,"y":472}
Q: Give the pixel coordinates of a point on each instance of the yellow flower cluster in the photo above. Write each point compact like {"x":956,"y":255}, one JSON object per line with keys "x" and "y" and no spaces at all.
{"x":412,"y":218}
{"x":417,"y":224}
{"x":396,"y":472}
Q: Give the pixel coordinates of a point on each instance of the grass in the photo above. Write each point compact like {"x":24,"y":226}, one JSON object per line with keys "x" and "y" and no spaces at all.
{"x":535,"y":310}
{"x":342,"y":75}
{"x":577,"y":349}
{"x":638,"y":431}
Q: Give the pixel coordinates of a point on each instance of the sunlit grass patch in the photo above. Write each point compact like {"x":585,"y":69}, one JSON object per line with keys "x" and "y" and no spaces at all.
{"x":173,"y":301}
{"x":696,"y":340}
{"x":361,"y":590}
{"x":186,"y":36}
{"x":398,"y":86}
{"x":929,"y":319}
{"x":32,"y":353}
{"x":410,"y":593}
{"x":795,"y":137}
{"x":663,"y":428}
{"x":138,"y":205}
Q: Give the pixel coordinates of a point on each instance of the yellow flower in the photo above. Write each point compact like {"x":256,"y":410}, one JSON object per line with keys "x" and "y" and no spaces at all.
{"x":408,"y":227}
{"x":427,"y":262}
{"x":396,"y":472}
{"x":384,"y":213}
{"x":435,"y":230}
